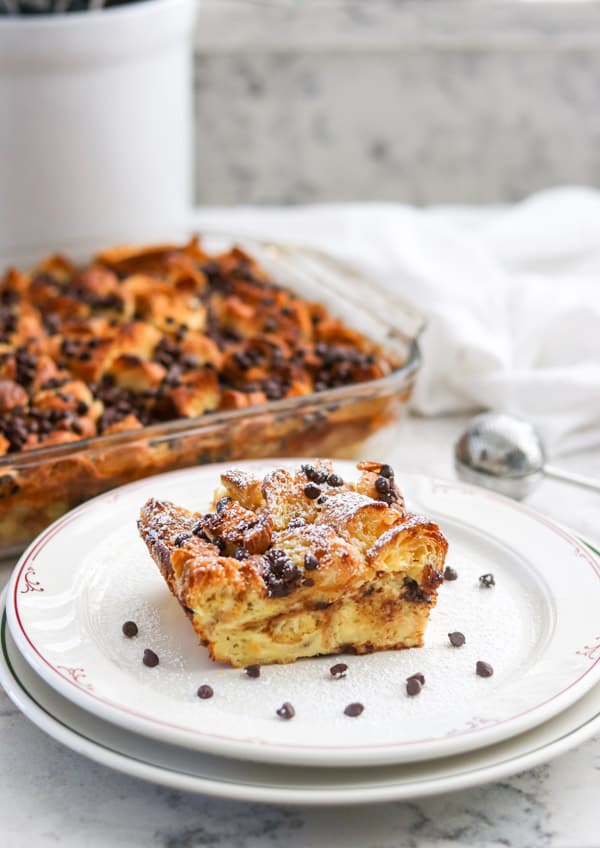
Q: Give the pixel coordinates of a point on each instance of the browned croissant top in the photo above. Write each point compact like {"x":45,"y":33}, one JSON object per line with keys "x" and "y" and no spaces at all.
{"x":140,"y":336}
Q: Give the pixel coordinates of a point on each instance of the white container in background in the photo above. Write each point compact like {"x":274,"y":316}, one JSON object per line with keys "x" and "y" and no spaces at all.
{"x":95,"y":127}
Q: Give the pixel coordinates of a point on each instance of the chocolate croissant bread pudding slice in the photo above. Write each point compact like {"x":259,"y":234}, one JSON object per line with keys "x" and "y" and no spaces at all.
{"x":299,"y":564}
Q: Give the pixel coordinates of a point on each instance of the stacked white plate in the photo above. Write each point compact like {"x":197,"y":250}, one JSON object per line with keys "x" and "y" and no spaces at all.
{"x":66,"y":663}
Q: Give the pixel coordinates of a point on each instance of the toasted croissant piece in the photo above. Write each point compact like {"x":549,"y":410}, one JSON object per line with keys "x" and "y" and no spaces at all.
{"x":276,"y":573}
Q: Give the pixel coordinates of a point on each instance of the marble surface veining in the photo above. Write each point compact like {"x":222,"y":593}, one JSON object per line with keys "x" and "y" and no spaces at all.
{"x":50,"y":796}
{"x":414,"y":102}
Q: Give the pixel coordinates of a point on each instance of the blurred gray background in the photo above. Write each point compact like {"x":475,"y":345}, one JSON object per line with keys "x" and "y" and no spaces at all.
{"x":420,"y":101}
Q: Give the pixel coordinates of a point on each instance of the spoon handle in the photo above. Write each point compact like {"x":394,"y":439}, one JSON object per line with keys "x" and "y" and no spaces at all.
{"x":570,"y":477}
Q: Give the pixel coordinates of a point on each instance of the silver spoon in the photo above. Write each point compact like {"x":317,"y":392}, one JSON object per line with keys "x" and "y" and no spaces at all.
{"x":506,"y":454}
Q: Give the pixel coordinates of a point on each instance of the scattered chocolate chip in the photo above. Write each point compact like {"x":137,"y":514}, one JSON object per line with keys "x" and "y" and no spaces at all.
{"x":312,"y":491}
{"x":483,"y":669}
{"x":354,"y":709}
{"x":386,"y":471}
{"x":252,"y":671}
{"x":487,"y":580}
{"x":338,"y":670}
{"x":417,"y":676}
{"x":286,"y":711}
{"x":457,"y":639}
{"x":130,"y":629}
{"x":205,"y":691}
{"x":321,"y":499}
{"x":241,"y":553}
{"x":382,"y":484}
{"x":335,"y":480}
{"x":413,"y":686}
{"x":150,"y":658}
{"x":450,"y":573}
{"x":311,"y":563}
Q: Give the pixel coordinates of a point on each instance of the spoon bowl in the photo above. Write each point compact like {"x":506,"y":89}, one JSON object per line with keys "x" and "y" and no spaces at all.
{"x":502,"y":453}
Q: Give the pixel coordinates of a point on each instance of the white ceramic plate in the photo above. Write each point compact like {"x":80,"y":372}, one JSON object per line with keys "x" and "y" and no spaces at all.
{"x":196,"y":772}
{"x":538,"y":627}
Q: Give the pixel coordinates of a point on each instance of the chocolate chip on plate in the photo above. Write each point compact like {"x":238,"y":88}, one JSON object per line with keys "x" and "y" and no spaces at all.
{"x":456,"y":638}
{"x":205,"y":691}
{"x":483,"y":669}
{"x":354,"y":709}
{"x":487,"y":580}
{"x":252,"y":671}
{"x":130,"y":629}
{"x":338,"y":670}
{"x":450,"y":573}
{"x":312,"y":491}
{"x":418,"y":676}
{"x":150,"y":658}
{"x":286,"y":711}
{"x":413,"y":686}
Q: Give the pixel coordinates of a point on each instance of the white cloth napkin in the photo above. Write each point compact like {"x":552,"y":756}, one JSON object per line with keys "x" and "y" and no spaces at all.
{"x":511,"y":296}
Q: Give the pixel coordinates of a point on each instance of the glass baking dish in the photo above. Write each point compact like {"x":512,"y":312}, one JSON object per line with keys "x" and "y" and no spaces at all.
{"x":38,"y":486}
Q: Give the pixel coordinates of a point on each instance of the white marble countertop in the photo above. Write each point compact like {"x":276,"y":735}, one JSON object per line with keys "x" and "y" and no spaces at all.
{"x":51,"y":796}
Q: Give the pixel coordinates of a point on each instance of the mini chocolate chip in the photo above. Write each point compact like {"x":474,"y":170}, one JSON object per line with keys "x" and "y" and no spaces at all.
{"x":315,"y":475}
{"x":150,"y":658}
{"x":222,"y":503}
{"x":382,"y":485}
{"x":450,"y":573}
{"x":130,"y":629}
{"x":321,"y":499}
{"x":487,"y":580}
{"x":241,"y":553}
{"x":180,"y":538}
{"x":457,"y":639}
{"x":311,"y":563}
{"x":205,"y":691}
{"x":418,"y":676}
{"x":198,"y":530}
{"x":483,"y":669}
{"x":252,"y":671}
{"x":338,"y":670}
{"x":296,"y":522}
{"x":308,"y":581}
{"x":286,"y":711}
{"x":354,"y":709}
{"x":386,"y":471}
{"x":82,"y":408}
{"x":413,"y":686}
{"x":312,"y":491}
{"x":335,"y":480}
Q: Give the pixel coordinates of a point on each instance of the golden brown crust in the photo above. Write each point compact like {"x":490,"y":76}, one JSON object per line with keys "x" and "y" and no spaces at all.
{"x":267,"y":578}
